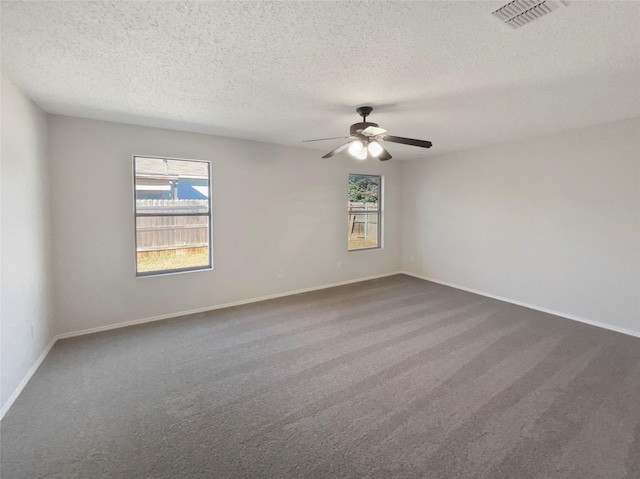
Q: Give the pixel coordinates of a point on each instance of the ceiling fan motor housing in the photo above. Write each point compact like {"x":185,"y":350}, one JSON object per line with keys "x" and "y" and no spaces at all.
{"x":356,"y":128}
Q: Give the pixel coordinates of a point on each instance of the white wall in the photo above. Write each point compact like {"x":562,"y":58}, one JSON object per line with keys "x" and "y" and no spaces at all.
{"x":26,"y":319}
{"x":274,"y":207}
{"x":553,"y":222}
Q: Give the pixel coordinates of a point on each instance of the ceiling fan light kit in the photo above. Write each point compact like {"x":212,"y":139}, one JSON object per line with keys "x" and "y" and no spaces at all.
{"x":365,"y":137}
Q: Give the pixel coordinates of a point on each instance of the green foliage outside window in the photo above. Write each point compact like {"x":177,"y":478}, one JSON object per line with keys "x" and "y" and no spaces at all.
{"x":364,"y":188}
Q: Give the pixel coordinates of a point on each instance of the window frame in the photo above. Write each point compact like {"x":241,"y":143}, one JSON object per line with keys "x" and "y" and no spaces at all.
{"x":136,"y":215}
{"x":367,"y":212}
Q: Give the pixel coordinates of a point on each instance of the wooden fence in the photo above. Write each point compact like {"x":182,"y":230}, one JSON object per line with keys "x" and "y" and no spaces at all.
{"x":361,"y":223}
{"x":164,"y":234}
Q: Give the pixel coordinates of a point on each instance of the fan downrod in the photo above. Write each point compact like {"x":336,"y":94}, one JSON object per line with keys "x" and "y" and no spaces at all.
{"x":364,"y":112}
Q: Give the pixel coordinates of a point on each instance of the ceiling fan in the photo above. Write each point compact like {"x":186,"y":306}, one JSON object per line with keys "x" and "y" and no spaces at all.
{"x":365,"y":137}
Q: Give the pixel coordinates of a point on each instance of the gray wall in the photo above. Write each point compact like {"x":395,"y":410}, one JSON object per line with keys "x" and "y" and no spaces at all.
{"x":274,"y":208}
{"x":26,"y":314}
{"x":552,"y":222}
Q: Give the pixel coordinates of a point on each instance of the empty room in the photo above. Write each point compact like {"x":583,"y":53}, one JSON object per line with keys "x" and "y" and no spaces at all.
{"x":320,"y":239}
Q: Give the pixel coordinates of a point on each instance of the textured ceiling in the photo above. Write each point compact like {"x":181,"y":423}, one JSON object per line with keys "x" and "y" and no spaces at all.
{"x":283,"y":72}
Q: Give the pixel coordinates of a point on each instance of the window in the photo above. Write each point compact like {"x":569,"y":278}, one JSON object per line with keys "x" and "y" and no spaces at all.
{"x":172,"y":215}
{"x":364,"y":212}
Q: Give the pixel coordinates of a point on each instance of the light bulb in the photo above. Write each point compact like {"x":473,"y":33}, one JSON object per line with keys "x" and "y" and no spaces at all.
{"x":374,"y":148}
{"x":356,"y":148}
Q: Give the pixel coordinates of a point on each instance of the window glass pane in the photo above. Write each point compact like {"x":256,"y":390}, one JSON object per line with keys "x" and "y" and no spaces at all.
{"x":163,"y":179}
{"x":363,"y":230}
{"x":363,"y":212}
{"x":364,"y":192}
{"x":172,"y":214}
{"x":172,"y":242}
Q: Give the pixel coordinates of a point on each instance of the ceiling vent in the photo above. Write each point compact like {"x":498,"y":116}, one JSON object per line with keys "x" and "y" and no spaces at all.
{"x":518,"y":13}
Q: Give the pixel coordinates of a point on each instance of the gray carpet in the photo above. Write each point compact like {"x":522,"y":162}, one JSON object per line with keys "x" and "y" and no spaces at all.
{"x":390,"y":378}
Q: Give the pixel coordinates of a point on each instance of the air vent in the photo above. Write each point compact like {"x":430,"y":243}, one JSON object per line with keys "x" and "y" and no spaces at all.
{"x":518,"y":13}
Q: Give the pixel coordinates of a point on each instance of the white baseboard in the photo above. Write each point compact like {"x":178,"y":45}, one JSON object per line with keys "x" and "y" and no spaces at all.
{"x":530,"y":306}
{"x":218,"y":306}
{"x":27,"y":378}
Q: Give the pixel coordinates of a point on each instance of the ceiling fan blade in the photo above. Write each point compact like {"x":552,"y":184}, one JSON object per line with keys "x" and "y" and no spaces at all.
{"x":385,"y":155}
{"x":373,"y":131}
{"x":407,"y":141}
{"x":322,"y":139}
{"x":337,"y":150}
